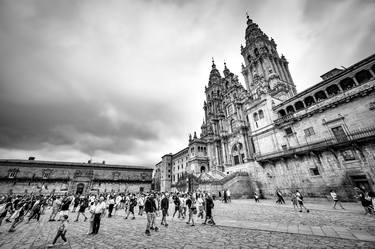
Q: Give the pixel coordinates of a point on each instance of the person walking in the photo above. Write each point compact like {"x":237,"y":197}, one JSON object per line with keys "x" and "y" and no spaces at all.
{"x":225,"y":196}
{"x":141,"y":203}
{"x":98,"y":210}
{"x":177,"y":203}
{"x":256,"y":197}
{"x":133,"y":203}
{"x":335,"y":199}
{"x":83,"y":204}
{"x":75,"y":203}
{"x":200,"y":205}
{"x":209,"y":207}
{"x":56,"y":205}
{"x":61,"y":231}
{"x":228,"y":195}
{"x":150,"y":209}
{"x":300,"y":201}
{"x":111,"y":204}
{"x":164,"y":209}
{"x":192,"y":205}
{"x":280,"y":198}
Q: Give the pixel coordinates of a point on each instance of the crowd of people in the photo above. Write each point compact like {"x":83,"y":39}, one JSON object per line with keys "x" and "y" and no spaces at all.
{"x":16,"y":209}
{"x":190,"y":207}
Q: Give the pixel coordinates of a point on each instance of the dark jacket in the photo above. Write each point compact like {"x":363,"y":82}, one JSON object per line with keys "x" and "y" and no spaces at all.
{"x":150,"y":205}
{"x":164,"y":203}
{"x":188,"y":203}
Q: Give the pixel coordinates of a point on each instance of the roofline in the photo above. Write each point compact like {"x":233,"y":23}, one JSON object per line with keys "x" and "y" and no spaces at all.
{"x":76,"y":164}
{"x":335,"y":77}
{"x":181,"y":151}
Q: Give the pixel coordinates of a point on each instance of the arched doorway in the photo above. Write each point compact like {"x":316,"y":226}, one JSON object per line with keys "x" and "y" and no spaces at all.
{"x":203,"y":169}
{"x":80,"y":187}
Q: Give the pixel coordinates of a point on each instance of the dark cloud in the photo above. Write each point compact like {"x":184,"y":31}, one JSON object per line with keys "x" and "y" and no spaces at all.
{"x":123,"y":81}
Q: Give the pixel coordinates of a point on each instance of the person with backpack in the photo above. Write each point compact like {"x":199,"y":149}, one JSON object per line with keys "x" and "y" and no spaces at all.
{"x":83,"y":204}
{"x":150,"y":209}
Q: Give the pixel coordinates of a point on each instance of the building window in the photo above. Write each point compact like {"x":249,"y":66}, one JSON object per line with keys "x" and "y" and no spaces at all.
{"x":348,"y":155}
{"x":261,"y":114}
{"x":232,"y":125}
{"x":169,"y":176}
{"x":309,"y":132}
{"x":46,"y":174}
{"x":255,"y":115}
{"x":314,"y":171}
{"x":169,"y":170}
{"x":230,"y":110}
{"x":236,"y":160}
{"x":12,"y":173}
{"x":288,"y":131}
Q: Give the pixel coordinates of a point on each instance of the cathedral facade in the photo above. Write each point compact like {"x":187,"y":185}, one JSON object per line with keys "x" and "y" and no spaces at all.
{"x":315,"y":140}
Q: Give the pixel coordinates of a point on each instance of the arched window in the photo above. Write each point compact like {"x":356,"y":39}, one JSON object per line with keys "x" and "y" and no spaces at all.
{"x":347,"y":84}
{"x":238,"y":154}
{"x":256,"y":118}
{"x":290,"y":109}
{"x":261,"y":114}
{"x":299,"y":105}
{"x":203,"y":169}
{"x":332,"y":90}
{"x":281,"y":113}
{"x":320,"y":96}
{"x":309,"y":101}
{"x":256,"y":52}
{"x":363,"y":76}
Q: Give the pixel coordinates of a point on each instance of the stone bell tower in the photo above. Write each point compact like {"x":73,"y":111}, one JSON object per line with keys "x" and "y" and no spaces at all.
{"x":265,"y":72}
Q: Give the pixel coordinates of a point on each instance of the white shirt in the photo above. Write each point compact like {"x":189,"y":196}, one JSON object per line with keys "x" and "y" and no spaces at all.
{"x":118,"y":199}
{"x":334,"y":196}
{"x":98,"y":208}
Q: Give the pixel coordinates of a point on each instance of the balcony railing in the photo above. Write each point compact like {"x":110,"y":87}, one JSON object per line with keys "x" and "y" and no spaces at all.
{"x":352,"y":136}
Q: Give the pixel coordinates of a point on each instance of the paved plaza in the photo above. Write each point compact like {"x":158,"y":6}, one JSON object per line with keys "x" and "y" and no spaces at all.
{"x":240,"y":224}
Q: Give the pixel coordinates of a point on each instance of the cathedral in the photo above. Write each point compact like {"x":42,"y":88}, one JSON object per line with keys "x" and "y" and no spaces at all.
{"x":270,"y":137}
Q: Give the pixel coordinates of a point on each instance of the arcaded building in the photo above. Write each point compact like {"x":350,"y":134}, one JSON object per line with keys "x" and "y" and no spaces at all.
{"x":26,"y":176}
{"x":315,"y":140}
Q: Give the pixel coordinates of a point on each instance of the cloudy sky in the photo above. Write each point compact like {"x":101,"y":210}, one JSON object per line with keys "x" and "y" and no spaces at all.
{"x":123,"y":81}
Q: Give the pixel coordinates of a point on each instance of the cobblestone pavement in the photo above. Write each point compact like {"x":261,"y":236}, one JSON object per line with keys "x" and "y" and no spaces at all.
{"x":241,"y":224}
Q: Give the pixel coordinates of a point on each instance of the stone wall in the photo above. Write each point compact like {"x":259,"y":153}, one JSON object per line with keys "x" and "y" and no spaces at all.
{"x":31,"y":176}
